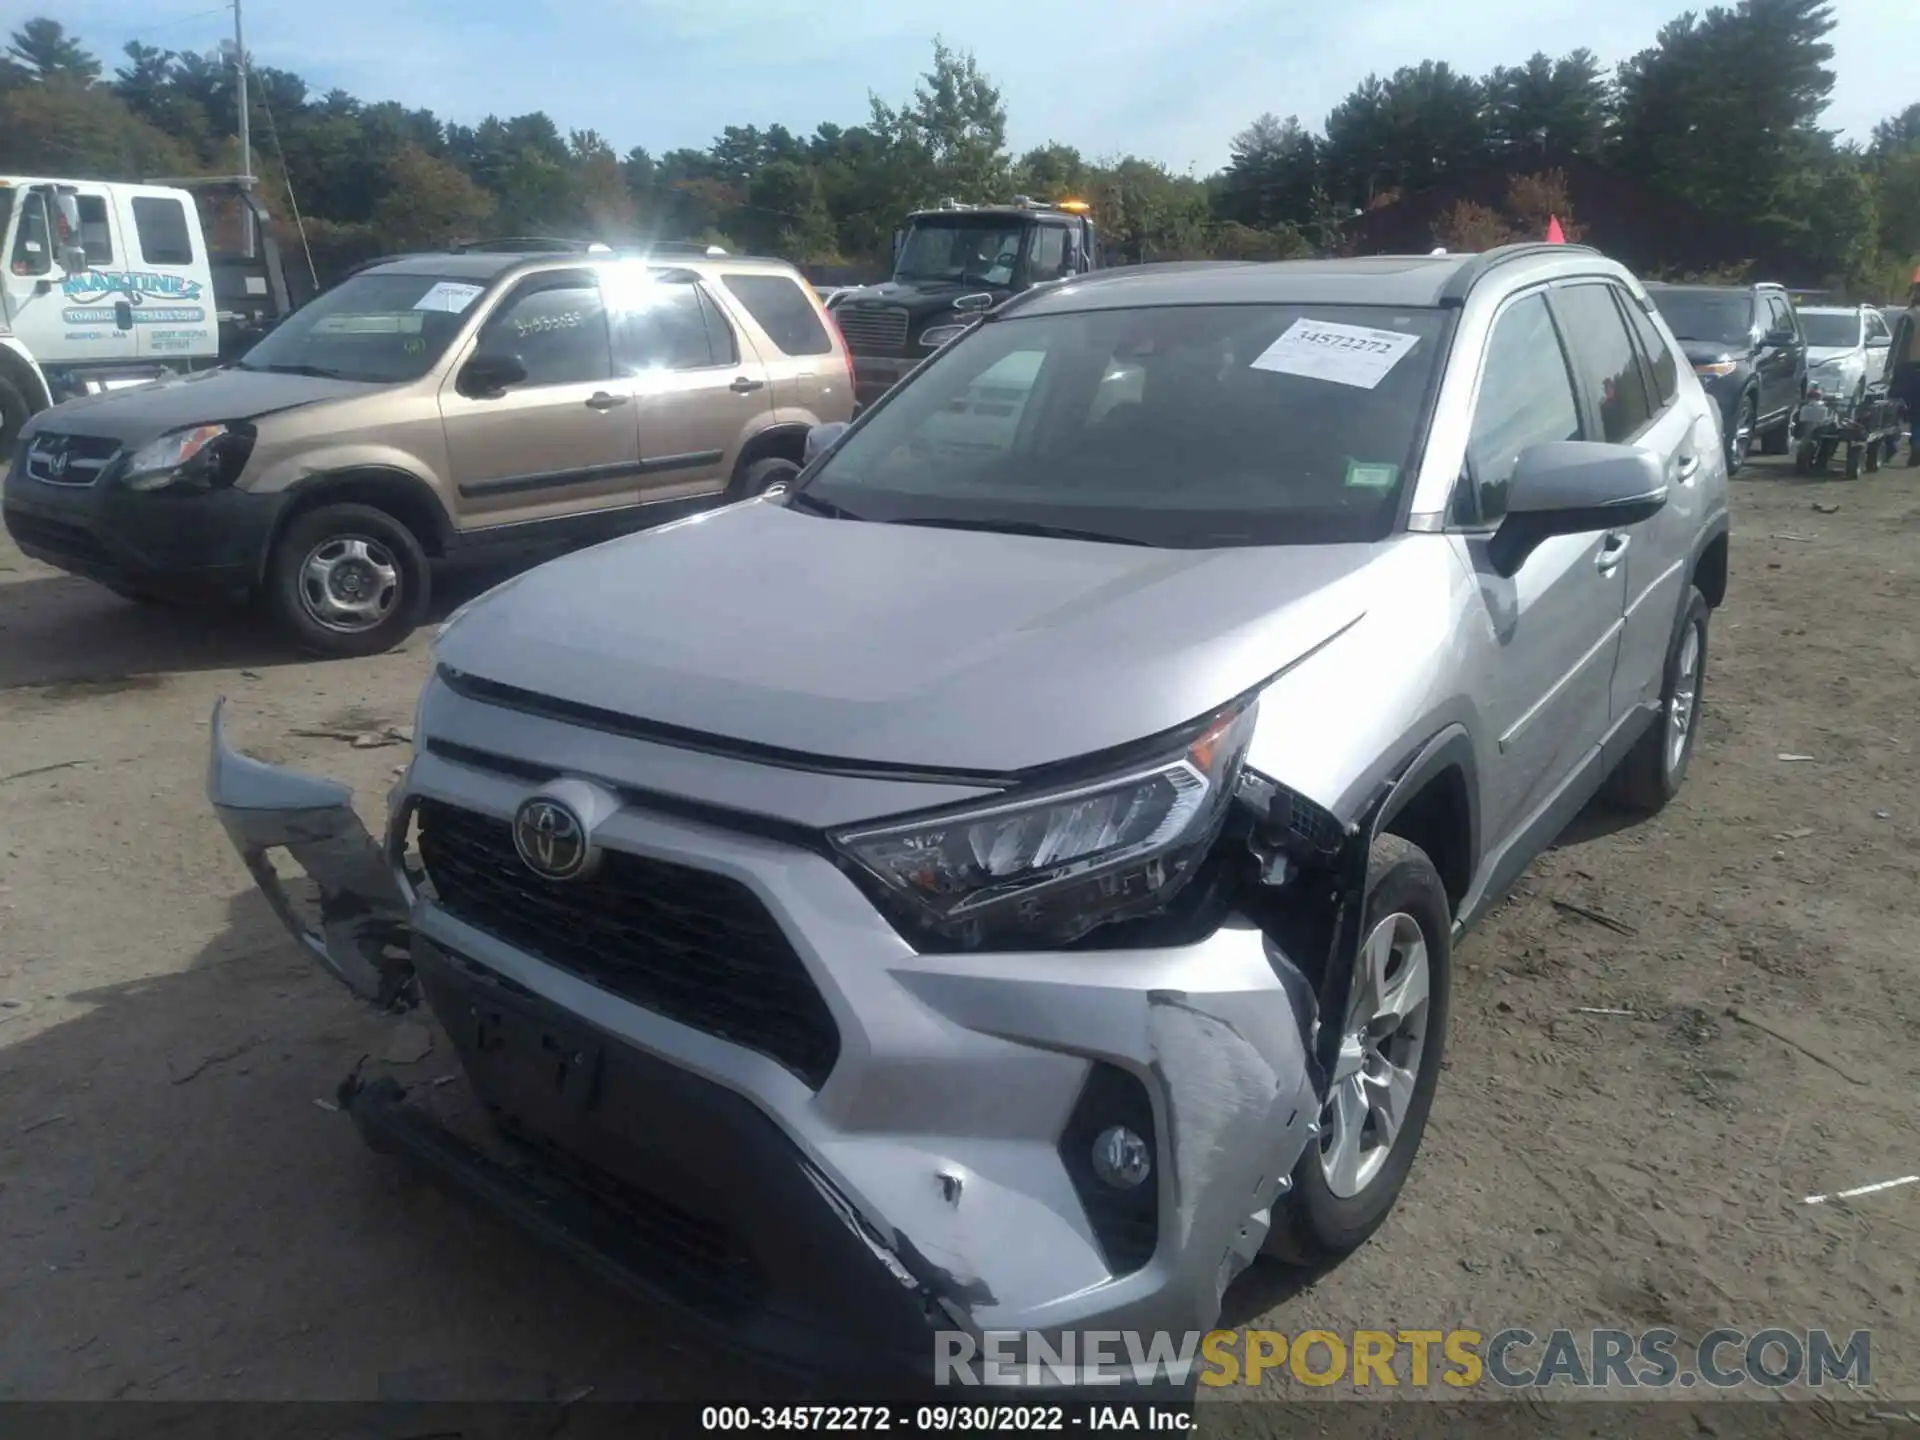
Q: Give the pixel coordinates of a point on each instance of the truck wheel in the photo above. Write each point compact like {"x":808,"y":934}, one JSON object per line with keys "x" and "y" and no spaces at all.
{"x":762,"y":476}
{"x":14,"y":413}
{"x":1382,"y":1089}
{"x":347,"y":580}
{"x":1654,"y":770}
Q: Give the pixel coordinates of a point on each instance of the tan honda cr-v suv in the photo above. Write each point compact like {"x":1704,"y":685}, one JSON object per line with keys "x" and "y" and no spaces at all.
{"x":433,"y":407}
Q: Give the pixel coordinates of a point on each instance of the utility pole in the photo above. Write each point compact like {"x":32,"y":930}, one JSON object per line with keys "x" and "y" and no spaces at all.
{"x":240,"y":68}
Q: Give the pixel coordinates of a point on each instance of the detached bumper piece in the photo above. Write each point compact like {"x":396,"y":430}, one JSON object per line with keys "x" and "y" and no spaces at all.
{"x":361,"y":935}
{"x":674,"y":1189}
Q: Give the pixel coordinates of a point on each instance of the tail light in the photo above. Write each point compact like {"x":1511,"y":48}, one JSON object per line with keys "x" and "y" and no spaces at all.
{"x":846,"y":350}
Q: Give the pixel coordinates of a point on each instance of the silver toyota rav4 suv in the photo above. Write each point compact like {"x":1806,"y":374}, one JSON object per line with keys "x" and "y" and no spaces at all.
{"x":1007,"y":882}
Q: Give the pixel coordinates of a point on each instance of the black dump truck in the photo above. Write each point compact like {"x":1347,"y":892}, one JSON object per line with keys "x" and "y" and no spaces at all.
{"x":950,"y":264}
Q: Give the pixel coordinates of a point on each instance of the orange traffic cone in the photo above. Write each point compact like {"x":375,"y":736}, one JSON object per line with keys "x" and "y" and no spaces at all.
{"x":1555,"y":235}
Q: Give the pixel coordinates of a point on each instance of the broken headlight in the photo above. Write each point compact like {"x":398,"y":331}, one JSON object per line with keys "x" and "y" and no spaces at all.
{"x":1051,"y":867}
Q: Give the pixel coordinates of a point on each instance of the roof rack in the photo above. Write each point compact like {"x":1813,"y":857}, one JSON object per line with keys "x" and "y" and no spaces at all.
{"x":1455,"y":291}
{"x":526,"y":245}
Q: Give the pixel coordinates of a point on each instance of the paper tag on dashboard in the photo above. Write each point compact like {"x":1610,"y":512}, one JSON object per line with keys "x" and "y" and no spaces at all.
{"x":1345,"y":354}
{"x":450,"y":296}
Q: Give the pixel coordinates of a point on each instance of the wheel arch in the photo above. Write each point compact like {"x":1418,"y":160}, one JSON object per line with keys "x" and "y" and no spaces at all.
{"x":1434,"y":803}
{"x":1709,"y":568}
{"x":785,"y":440}
{"x":404,"y":496}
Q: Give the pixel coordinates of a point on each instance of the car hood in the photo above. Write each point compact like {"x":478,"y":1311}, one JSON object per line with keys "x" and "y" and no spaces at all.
{"x":937,"y":649}
{"x":142,"y":412}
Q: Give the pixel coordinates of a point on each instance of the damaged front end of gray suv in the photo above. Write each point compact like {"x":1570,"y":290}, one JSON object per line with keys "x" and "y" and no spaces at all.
{"x":720,"y":1080}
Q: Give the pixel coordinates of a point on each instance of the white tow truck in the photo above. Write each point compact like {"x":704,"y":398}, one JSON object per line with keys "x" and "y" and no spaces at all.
{"x":110,"y":284}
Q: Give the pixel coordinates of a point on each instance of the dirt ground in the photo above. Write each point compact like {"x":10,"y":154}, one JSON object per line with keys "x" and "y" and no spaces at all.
{"x":182,"y":1217}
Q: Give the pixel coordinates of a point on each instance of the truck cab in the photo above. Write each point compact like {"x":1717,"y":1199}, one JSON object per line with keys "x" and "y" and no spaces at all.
{"x":109,"y":284}
{"x":950,"y":264}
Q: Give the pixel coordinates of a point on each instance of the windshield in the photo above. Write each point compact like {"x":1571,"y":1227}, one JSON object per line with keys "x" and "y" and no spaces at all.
{"x":981,"y":251}
{"x":1831,"y":330}
{"x":377,"y":328}
{"x":1719,"y":318}
{"x":1182,"y":427}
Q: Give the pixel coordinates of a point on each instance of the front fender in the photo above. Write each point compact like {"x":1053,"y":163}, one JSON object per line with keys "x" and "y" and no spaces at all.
{"x":362,"y":936}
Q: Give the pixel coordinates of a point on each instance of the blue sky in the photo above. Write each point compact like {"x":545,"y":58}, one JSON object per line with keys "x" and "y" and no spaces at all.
{"x":1172,"y":83}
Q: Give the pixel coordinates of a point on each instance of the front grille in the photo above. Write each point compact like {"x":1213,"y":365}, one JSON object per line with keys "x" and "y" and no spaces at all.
{"x":873,"y":329}
{"x":697,"y":947}
{"x":69,"y":459}
{"x":66,"y":543}
{"x":696,"y":1257}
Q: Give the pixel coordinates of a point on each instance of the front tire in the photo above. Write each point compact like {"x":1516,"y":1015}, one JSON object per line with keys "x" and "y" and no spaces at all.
{"x":1655,"y":769}
{"x":763,"y":477}
{"x":347,"y":581}
{"x":1393,"y":1039}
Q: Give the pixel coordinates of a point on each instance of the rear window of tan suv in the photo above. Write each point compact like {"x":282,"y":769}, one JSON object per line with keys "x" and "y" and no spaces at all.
{"x":781,"y":308}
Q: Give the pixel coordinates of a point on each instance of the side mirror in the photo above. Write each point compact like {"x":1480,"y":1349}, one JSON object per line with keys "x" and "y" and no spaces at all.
{"x":1573,"y":487}
{"x":1780,"y":337}
{"x":488,"y":375}
{"x":73,"y":259}
{"x":820,"y":439}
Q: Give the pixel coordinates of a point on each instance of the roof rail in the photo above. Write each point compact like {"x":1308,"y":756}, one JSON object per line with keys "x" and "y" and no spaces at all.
{"x":1455,"y":291}
{"x":526,"y":245}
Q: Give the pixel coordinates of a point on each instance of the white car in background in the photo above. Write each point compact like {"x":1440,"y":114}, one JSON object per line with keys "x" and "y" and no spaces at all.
{"x":1845,"y":345}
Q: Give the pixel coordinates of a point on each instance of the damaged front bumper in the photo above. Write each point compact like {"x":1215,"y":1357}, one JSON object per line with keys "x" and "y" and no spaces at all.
{"x":952,"y":1170}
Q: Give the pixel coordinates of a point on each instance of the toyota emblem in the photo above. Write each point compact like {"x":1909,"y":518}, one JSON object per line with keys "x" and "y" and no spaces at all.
{"x":551,"y":840}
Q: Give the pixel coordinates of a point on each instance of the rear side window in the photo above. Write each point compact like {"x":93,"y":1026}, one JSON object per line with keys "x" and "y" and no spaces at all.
{"x":781,"y":308}
{"x":95,"y":233}
{"x":1604,"y":358}
{"x":669,"y":332}
{"x":1661,"y":366}
{"x":161,"y":224}
{"x":1526,"y":399}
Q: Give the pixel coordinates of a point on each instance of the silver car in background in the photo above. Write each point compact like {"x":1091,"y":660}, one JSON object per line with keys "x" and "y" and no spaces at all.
{"x":1846,"y":348}
{"x":1009,"y":882}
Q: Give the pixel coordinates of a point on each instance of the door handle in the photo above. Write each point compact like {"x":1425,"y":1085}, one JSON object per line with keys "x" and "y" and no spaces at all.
{"x":1612,"y":551}
{"x":601,"y":400}
{"x":745,"y":385}
{"x":1688,"y":464}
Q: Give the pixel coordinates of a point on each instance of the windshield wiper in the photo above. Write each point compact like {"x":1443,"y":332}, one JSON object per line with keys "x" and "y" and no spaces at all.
{"x":1022,"y":527}
{"x":317,"y":372}
{"x":814,"y":505}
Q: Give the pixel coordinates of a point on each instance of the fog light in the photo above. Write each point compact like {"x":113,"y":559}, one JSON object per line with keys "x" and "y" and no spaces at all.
{"x":1121,"y":1158}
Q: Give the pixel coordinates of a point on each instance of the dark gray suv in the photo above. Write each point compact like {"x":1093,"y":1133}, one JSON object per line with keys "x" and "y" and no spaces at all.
{"x":1750,"y":352}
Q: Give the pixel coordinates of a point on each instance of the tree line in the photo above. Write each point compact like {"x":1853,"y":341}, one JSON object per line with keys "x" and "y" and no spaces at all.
{"x":1717,"y":120}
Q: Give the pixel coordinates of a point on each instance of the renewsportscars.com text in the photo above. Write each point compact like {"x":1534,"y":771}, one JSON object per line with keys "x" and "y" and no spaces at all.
{"x":1512,"y":1359}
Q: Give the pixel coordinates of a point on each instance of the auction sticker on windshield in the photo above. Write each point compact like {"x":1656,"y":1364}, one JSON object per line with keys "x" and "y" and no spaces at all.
{"x":1345,"y":354}
{"x":450,"y":296}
